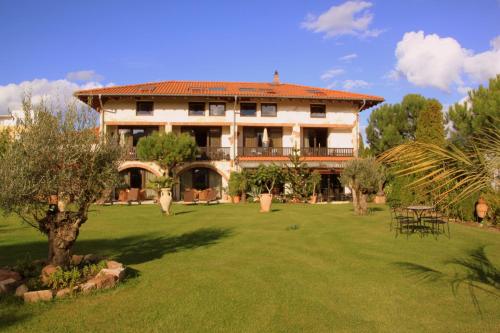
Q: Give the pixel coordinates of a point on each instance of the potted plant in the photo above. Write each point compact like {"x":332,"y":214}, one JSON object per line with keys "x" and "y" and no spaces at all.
{"x":163,"y":187}
{"x":122,"y":189}
{"x":481,"y":208}
{"x":267,"y":177}
{"x":314,"y":180}
{"x":234,"y":185}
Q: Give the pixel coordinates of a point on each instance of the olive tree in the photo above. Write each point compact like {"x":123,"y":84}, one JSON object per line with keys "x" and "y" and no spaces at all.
{"x":56,"y":157}
{"x":168,"y":149}
{"x":362,"y":177}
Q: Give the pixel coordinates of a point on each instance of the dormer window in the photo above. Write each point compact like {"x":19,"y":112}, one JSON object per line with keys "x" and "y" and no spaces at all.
{"x":318,"y":111}
{"x":144,"y":108}
{"x":197,"y":109}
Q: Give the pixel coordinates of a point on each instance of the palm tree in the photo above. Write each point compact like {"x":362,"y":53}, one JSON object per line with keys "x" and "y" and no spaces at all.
{"x":450,"y":174}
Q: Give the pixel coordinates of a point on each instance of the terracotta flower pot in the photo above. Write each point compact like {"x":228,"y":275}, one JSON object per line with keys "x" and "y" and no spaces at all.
{"x":314,"y":199}
{"x":481,"y":208}
{"x":265,"y":202}
{"x":236,"y":199}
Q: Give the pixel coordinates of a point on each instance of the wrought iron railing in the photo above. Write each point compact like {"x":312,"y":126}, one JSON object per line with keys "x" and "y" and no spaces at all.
{"x":264,"y":151}
{"x":323,"y":152}
{"x":130,"y":154}
{"x":213,"y":153}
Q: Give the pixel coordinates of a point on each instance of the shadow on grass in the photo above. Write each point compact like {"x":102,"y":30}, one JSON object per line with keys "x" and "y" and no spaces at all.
{"x":128,"y":250}
{"x":475,"y":271}
{"x":10,"y":311}
{"x":183,"y":212}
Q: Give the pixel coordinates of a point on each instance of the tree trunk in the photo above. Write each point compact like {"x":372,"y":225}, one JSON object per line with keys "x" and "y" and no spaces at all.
{"x":63,"y":232}
{"x":363,"y":205}
{"x":243,"y":197}
{"x":355,"y":200}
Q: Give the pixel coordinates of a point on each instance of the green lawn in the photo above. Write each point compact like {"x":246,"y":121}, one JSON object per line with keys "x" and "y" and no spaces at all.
{"x":228,"y":268}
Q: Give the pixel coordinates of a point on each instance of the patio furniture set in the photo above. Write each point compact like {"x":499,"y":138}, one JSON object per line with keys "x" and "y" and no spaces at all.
{"x":421,"y":219}
{"x":194,"y":196}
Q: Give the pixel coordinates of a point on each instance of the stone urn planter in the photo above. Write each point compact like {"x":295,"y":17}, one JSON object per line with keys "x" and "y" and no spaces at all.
{"x":236,"y":199}
{"x":166,"y":200}
{"x":481,"y":208}
{"x":265,"y":202}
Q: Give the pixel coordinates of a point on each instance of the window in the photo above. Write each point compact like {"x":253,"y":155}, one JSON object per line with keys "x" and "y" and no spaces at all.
{"x":143,"y":108}
{"x":217,"y":109}
{"x":248,"y":109}
{"x":318,"y":111}
{"x":268,"y":110}
{"x":197,"y":109}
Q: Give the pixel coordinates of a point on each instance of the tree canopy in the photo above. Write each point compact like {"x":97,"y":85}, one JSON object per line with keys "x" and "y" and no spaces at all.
{"x":430,"y":124}
{"x":168,"y":149}
{"x":392,"y":124}
{"x":479,"y":114}
{"x":56,"y":157}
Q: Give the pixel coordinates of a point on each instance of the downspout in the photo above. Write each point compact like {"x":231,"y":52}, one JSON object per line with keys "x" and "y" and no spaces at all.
{"x":357,"y":126}
{"x":102,"y":116}
{"x":235,"y":135}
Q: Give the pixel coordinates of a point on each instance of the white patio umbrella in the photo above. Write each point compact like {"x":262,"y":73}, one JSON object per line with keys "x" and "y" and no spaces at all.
{"x":265,"y":138}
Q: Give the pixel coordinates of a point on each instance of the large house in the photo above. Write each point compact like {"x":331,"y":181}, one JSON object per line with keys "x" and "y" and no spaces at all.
{"x":236,"y":125}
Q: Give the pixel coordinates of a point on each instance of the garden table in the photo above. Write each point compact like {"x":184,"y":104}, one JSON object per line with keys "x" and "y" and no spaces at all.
{"x":419,"y":210}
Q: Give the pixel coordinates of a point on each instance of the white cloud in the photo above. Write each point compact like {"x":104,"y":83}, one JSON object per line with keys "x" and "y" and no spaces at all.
{"x":349,"y":18}
{"x":352,"y":84}
{"x":330,"y":74}
{"x":348,"y":57}
{"x":441,"y":62}
{"x":332,"y":85}
{"x":62,"y":90}
{"x":86,"y":75}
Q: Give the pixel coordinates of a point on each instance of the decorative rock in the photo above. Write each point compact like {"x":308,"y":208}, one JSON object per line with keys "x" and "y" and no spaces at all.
{"x":8,"y":285}
{"x":8,"y":274}
{"x":47,"y":271}
{"x":36,"y":296}
{"x":90,"y":259}
{"x":76,"y":259}
{"x":63,"y":293}
{"x":104,"y":281}
{"x":113,"y":265}
{"x":21,"y":290}
{"x":119,"y":273}
{"x":88,"y":286}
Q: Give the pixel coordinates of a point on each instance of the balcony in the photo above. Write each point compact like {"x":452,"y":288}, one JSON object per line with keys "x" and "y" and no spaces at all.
{"x":327,"y":152}
{"x":264,"y":151}
{"x":213,"y":154}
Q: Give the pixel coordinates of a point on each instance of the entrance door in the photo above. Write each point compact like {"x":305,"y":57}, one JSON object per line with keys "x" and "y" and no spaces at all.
{"x":135,"y":178}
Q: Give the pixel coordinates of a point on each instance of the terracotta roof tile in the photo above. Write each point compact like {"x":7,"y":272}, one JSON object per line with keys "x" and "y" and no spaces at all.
{"x":228,"y":89}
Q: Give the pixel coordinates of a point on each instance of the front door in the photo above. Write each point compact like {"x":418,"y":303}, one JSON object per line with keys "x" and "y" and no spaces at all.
{"x":135,"y":178}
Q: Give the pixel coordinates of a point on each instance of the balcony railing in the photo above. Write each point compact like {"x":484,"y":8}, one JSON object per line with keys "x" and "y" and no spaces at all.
{"x":264,"y":151}
{"x":324,"y":152}
{"x":130,"y":154}
{"x":224,"y":153}
{"x":214,"y":153}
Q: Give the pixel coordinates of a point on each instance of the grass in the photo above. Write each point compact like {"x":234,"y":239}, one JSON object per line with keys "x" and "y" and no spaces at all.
{"x":227,"y":268}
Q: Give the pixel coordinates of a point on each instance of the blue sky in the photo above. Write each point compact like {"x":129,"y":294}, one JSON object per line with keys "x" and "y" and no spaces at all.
{"x":121,"y":42}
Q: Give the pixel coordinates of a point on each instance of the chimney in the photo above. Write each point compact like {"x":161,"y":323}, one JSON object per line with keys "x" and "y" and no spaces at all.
{"x":276,"y":78}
